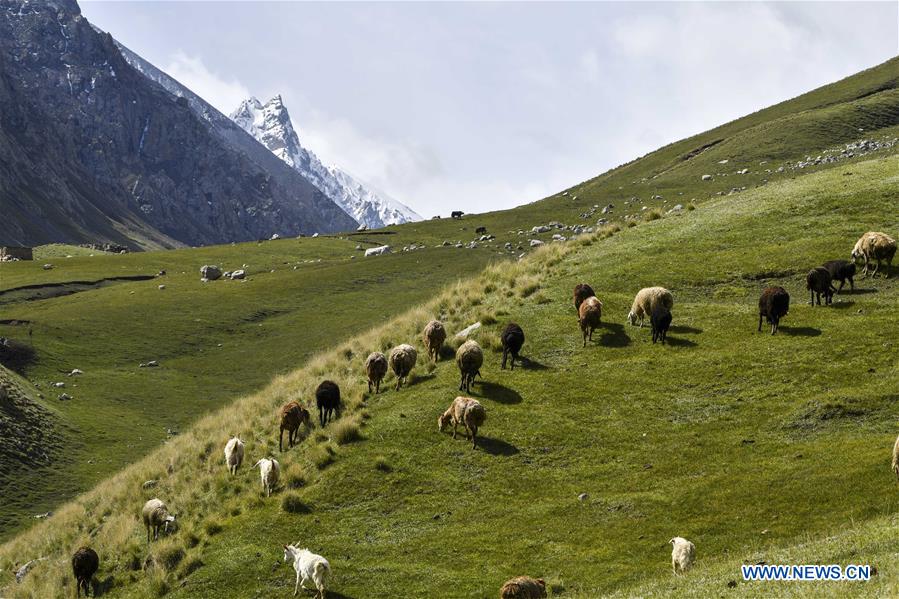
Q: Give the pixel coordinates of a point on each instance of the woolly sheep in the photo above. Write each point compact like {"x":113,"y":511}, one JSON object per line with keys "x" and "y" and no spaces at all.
{"x":469,"y":359}
{"x":683,"y":553}
{"x":581,"y":292}
{"x":645,"y":302}
{"x":234,"y":454}
{"x":327,"y":398}
{"x":817,"y":281}
{"x":874,"y":246}
{"x":308,"y":565}
{"x":375,"y":368}
{"x":85,"y":563}
{"x":402,"y":360}
{"x":467,"y":412}
{"x":292,"y":416}
{"x":589,"y":316}
{"x":433,"y":336}
{"x":660,"y":321}
{"x":774,"y":303}
{"x":523,"y":587}
{"x":512,"y":339}
{"x":155,"y":515}
{"x":841,"y":270}
{"x":270,"y":473}
{"x":896,"y":458}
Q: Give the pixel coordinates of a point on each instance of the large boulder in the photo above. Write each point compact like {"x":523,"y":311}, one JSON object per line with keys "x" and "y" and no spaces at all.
{"x":211,"y":273}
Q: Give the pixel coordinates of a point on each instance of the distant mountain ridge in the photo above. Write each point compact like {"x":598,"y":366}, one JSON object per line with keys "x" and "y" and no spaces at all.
{"x":92,"y":150}
{"x":270,"y":123}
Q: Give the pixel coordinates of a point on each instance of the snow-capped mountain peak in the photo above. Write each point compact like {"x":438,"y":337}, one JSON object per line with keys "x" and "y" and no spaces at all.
{"x":270,"y":124}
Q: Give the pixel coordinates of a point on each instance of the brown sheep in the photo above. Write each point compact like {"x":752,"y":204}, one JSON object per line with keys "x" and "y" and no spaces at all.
{"x":433,"y":336}
{"x":467,"y":412}
{"x":292,"y":416}
{"x":581,"y":292}
{"x":85,"y":563}
{"x":523,"y":587}
{"x":375,"y":367}
{"x":589,"y":314}
{"x":402,"y":361}
{"x":469,"y":359}
{"x":774,"y":304}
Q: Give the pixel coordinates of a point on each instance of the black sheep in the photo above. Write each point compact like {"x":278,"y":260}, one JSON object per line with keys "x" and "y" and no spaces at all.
{"x":85,"y":563}
{"x":841,"y":270}
{"x":581,"y":292}
{"x":660,"y":321}
{"x":818,"y":283}
{"x":327,"y":398}
{"x":774,"y":304}
{"x":512,"y":338}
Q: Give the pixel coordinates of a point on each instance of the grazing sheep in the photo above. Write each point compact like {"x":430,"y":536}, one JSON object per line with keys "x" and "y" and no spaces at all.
{"x":646,"y":301}
{"x":841,"y":270}
{"x":467,"y":412}
{"x":589,"y":315}
{"x":774,"y":303}
{"x":434,"y":335}
{"x":660,"y":321}
{"x":155,"y":515}
{"x":375,"y":367}
{"x":292,"y":416}
{"x":327,"y":398}
{"x":469,"y":359}
{"x":817,"y":281}
{"x":234,"y":454}
{"x":308,"y":565}
{"x":512,"y":339}
{"x":85,"y":563}
{"x":270,"y":473}
{"x":896,"y":458}
{"x":581,"y":292}
{"x":874,"y":246}
{"x":523,"y":587}
{"x":402,"y":360}
{"x":683,"y":554}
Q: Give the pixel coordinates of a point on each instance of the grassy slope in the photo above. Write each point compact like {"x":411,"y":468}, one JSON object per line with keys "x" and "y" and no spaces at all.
{"x":732,"y":422}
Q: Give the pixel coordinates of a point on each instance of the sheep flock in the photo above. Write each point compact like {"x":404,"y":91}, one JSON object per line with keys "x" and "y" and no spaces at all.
{"x":656,"y":303}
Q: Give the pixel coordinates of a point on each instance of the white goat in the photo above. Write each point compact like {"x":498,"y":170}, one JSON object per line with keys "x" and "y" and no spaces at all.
{"x":234,"y":454}
{"x":683,"y":554}
{"x":308,"y":565}
{"x":270,"y":472}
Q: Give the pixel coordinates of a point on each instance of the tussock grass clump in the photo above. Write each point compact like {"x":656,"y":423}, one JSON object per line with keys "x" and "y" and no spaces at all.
{"x":487,"y":319}
{"x":654,"y":214}
{"x":292,"y":503}
{"x":382,"y":465}
{"x":322,"y":456}
{"x":346,"y":430}
{"x":190,"y":565}
{"x":212,"y":527}
{"x":168,"y":555}
{"x":691,"y":206}
{"x":294,"y":477}
{"x":631,"y":224}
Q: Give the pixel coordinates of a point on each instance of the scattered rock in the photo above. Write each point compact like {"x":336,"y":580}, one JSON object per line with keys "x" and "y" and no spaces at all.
{"x":378,"y":251}
{"x":275,"y":236}
{"x":583,"y":497}
{"x":468,"y":330}
{"x":238,"y":274}
{"x":706,"y":177}
{"x":44,"y":515}
{"x":59,"y":385}
{"x":65,"y":397}
{"x":150,"y":364}
{"x":536,"y":243}
{"x":161,"y":287}
{"x":76,"y":372}
{"x":47,"y":267}
{"x":23,"y":571}
{"x":210,"y":272}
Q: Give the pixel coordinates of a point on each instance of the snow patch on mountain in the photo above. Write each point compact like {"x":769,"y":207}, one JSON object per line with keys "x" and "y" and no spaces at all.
{"x":270,"y":124}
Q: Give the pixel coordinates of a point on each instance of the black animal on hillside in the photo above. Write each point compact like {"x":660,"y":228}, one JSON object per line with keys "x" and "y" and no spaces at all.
{"x":456,"y":214}
{"x":660,"y":321}
{"x":85,"y":563}
{"x":327,"y":398}
{"x":774,"y":304}
{"x":480,"y":230}
{"x":581,"y":292}
{"x":512,"y":338}
{"x":842,"y":271}
{"x":818,"y":283}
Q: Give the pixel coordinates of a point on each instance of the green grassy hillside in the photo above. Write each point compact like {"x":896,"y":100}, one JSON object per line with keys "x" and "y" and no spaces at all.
{"x":743,"y":442}
{"x":716,"y":437}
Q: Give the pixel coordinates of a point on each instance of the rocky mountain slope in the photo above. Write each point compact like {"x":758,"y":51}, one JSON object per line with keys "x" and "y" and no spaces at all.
{"x":270,"y":123}
{"x":92,"y":150}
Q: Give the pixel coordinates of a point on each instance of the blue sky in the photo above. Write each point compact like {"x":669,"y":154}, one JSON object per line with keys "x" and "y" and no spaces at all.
{"x":481,"y":106}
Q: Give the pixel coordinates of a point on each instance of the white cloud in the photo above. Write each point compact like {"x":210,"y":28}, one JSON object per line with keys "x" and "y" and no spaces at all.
{"x":224,"y":94}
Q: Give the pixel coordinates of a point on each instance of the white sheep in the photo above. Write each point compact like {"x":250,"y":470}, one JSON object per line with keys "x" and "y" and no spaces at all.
{"x":270,"y":472}
{"x":155,"y":515}
{"x":402,"y":360}
{"x":308,"y":565}
{"x":683,"y":554}
{"x":874,"y":246}
{"x":233,"y":454}
{"x":645,"y":303}
{"x":896,"y":458}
